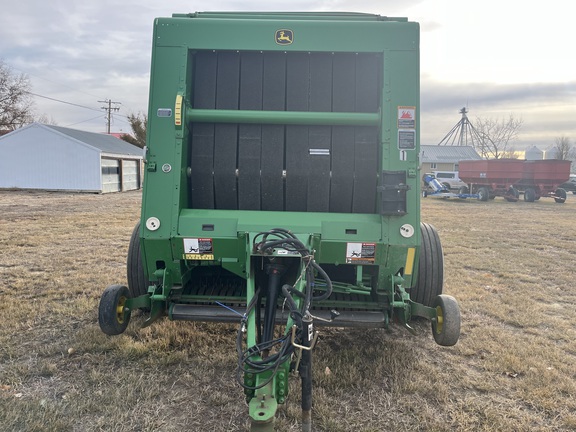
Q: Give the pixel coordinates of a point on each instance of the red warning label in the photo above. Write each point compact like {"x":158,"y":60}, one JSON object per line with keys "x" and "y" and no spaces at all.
{"x":406,"y":117}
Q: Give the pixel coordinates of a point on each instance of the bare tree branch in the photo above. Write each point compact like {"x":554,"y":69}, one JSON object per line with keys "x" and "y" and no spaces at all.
{"x":563,"y":149}
{"x":15,"y":100}
{"x":497,"y":136}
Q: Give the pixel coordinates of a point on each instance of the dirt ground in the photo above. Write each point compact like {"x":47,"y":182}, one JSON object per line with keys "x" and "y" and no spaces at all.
{"x":510,"y":265}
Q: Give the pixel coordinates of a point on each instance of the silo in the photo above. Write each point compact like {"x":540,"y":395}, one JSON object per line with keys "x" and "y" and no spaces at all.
{"x":552,"y":153}
{"x":534,"y":153}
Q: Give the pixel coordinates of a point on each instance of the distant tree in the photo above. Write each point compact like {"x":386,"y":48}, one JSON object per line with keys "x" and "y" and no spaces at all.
{"x":15,"y":99}
{"x":43,"y":118}
{"x":138,"y":123}
{"x":510,"y":154}
{"x":496,"y":136}
{"x":563,"y":149}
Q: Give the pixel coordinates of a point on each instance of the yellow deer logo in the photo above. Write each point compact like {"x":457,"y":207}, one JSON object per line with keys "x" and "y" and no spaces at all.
{"x":284,"y":37}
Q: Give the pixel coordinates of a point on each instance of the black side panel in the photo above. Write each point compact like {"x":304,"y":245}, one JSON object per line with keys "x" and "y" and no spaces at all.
{"x":365,"y":166}
{"x":343,"y":100}
{"x":273,"y":99}
{"x":202,"y":151}
{"x":366,"y":138}
{"x":226,"y":135}
{"x":249,"y":135}
{"x":297,"y":154}
{"x":319,"y":137}
{"x":367,"y":82}
{"x":285,"y":167}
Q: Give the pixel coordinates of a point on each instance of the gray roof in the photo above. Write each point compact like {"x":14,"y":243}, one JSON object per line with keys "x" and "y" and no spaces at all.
{"x":444,"y":154}
{"x":105,"y":143}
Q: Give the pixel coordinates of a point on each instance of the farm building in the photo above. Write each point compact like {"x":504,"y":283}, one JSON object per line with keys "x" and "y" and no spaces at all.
{"x":445,"y":157}
{"x":40,"y":156}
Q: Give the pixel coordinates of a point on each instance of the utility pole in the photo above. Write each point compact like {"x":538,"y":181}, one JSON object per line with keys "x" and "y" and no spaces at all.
{"x":109,"y":110}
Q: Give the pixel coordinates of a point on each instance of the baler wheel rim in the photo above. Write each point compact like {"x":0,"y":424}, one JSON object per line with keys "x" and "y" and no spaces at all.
{"x":439,"y":320}
{"x":120,"y":309}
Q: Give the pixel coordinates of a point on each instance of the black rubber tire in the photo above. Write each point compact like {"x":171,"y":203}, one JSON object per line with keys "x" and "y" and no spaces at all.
{"x":561,"y":194}
{"x":463,"y":190}
{"x":112,"y":316}
{"x":137,"y":283}
{"x":430,"y":277}
{"x":529,"y":195}
{"x":446,"y":328}
{"x":483,"y":194}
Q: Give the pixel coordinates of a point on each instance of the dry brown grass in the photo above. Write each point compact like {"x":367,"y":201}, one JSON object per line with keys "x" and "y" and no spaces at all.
{"x":510,"y":265}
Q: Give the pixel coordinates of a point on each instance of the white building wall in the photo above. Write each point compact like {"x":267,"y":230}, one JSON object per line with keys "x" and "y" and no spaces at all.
{"x":36,"y":157}
{"x":110,"y":175}
{"x":130,"y":174}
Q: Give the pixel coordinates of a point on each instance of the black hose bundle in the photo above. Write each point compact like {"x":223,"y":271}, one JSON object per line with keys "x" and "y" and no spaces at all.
{"x":289,"y":242}
{"x":264,"y":244}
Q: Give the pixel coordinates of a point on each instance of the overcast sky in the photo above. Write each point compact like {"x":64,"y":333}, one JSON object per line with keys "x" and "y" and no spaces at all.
{"x":495,"y":57}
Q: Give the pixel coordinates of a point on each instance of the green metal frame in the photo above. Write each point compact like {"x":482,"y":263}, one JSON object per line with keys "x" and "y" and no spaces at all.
{"x":380,"y":286}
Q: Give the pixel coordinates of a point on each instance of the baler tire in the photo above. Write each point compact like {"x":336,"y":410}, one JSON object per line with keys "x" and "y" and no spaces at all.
{"x":446,"y":327}
{"x":430,"y":277}
{"x":113,"y":317}
{"x":137,"y":283}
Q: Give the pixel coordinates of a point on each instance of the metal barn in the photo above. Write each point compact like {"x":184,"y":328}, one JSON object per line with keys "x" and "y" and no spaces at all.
{"x":445,"y":157}
{"x":46,"y":157}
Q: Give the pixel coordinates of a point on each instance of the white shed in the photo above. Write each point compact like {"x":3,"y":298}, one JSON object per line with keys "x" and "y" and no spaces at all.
{"x":47,"y":157}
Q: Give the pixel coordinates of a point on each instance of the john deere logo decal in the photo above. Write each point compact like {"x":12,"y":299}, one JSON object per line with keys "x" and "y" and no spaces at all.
{"x":284,"y":37}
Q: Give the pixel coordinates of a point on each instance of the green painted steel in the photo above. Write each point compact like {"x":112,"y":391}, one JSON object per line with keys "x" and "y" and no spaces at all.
{"x":303,"y":121}
{"x":282,"y":117}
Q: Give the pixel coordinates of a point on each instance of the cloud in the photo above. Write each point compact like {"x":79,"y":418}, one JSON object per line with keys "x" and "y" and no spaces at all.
{"x":83,"y":52}
{"x":443,"y":95}
{"x":547,"y":109}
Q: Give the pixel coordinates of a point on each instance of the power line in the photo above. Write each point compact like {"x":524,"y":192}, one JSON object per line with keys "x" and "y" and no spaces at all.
{"x":109,"y":110}
{"x":52,"y":81}
{"x":83,"y":121}
{"x":61,"y":101}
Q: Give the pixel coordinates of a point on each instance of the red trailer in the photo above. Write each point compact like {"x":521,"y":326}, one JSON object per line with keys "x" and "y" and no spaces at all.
{"x":509,"y":178}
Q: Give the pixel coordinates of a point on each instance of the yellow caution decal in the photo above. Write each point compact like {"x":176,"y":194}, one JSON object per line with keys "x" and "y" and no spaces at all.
{"x":409,"y":267}
{"x":199,"y":257}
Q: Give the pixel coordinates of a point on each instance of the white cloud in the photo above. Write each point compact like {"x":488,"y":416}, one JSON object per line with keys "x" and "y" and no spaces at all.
{"x":496,"y":57}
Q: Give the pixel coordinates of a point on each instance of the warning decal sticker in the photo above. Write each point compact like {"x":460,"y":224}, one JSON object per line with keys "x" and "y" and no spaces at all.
{"x":406,"y":117}
{"x":406,"y":139}
{"x":360,"y":253}
{"x":198,"y":249}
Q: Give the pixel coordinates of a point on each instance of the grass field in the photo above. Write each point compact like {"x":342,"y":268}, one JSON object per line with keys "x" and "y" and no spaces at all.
{"x":510,"y":265}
